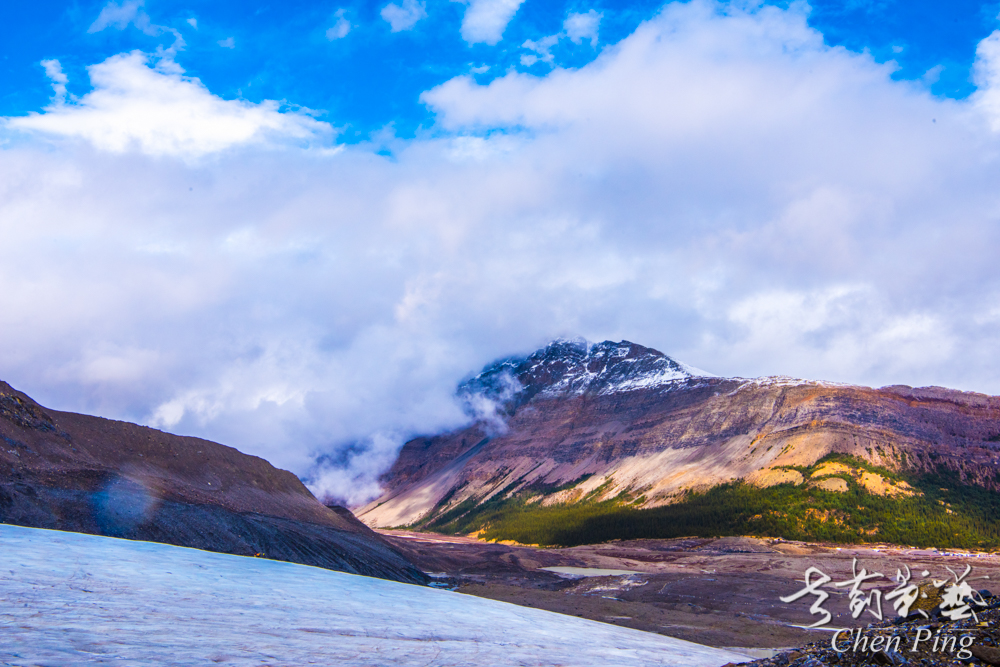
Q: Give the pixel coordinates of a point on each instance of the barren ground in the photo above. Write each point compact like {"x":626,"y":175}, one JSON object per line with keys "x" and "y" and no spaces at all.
{"x":719,"y":592}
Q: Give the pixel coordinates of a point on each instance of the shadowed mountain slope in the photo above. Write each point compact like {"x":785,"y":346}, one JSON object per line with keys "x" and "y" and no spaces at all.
{"x":579,"y":423}
{"x":87,"y":474}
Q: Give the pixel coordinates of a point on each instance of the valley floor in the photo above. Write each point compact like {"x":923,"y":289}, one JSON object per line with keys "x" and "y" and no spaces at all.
{"x":719,"y":592}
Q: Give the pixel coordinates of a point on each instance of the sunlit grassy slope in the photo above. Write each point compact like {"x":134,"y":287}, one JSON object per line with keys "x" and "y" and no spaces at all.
{"x":941,"y":512}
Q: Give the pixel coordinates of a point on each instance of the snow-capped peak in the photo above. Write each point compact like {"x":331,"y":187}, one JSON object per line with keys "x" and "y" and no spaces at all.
{"x":568,"y":367}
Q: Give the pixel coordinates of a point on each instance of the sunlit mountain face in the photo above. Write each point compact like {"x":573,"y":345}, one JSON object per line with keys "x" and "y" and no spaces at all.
{"x":584,"y":442}
{"x":295,"y":228}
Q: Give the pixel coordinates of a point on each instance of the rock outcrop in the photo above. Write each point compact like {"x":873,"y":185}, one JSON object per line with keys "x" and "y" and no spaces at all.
{"x":578,"y":421}
{"x":87,"y":474}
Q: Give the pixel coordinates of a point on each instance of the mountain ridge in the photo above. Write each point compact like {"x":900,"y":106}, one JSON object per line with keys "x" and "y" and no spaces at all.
{"x":576,"y":366}
{"x":87,"y":474}
{"x":569,"y":426}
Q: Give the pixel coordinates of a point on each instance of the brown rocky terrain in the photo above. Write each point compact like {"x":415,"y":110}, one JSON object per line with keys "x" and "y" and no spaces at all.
{"x":592,"y":422}
{"x":80,"y":473}
{"x":720,"y":592}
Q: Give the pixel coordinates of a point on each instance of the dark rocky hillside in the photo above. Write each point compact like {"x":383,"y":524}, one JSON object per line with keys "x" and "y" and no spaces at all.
{"x":80,"y":473}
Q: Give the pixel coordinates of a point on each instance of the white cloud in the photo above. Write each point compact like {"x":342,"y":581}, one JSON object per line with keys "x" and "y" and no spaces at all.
{"x":542,"y":47}
{"x":340,"y":27}
{"x":481,"y":149}
{"x":119,"y":16}
{"x":581,"y":26}
{"x":158,"y":111}
{"x":576,"y":27}
{"x":193,"y":22}
{"x":840,"y":325}
{"x":130,"y":12}
{"x":227,"y":43}
{"x":932,"y":75}
{"x":405,"y":16}
{"x":53,"y":70}
{"x":986,"y":74}
{"x":721,"y":185}
{"x":486,"y":20}
{"x":352,"y":477}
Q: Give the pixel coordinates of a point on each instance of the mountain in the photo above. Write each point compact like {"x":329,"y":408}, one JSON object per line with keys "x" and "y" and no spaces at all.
{"x":87,"y":474}
{"x":573,"y":368}
{"x":623,"y":431}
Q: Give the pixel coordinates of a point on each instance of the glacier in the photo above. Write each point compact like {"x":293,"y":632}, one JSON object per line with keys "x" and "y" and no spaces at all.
{"x":71,"y":598}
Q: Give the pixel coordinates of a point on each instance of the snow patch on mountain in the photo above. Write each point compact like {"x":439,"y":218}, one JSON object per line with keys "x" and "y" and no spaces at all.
{"x":569,"y":367}
{"x":785,"y":381}
{"x":574,"y":367}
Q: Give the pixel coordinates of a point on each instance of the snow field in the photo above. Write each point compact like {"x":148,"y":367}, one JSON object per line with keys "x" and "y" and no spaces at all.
{"x":75,"y":599}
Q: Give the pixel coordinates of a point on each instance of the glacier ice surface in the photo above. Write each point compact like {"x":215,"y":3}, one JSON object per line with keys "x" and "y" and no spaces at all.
{"x":75,"y":599}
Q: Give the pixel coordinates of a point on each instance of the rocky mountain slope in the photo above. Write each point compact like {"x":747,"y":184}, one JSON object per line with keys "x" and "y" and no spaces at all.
{"x":576,"y":423}
{"x":86,"y":474}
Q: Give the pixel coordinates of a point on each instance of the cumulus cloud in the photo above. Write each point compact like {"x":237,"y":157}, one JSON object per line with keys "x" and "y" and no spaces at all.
{"x":119,"y":16}
{"x":542,"y":48}
{"x":486,"y":20}
{"x":720,"y":185}
{"x":157,"y":110}
{"x":576,"y":28}
{"x":350,"y":477}
{"x":986,"y":74}
{"x":130,"y":12}
{"x":341,"y":26}
{"x":581,"y":26}
{"x":53,"y":70}
{"x":843,"y":324}
{"x":405,"y":16}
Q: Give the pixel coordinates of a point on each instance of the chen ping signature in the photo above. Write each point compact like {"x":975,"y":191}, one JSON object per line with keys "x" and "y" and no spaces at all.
{"x":953,"y":596}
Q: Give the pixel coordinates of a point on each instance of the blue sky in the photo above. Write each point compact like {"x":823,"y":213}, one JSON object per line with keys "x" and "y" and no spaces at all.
{"x":372,"y":76}
{"x":294,"y":228}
